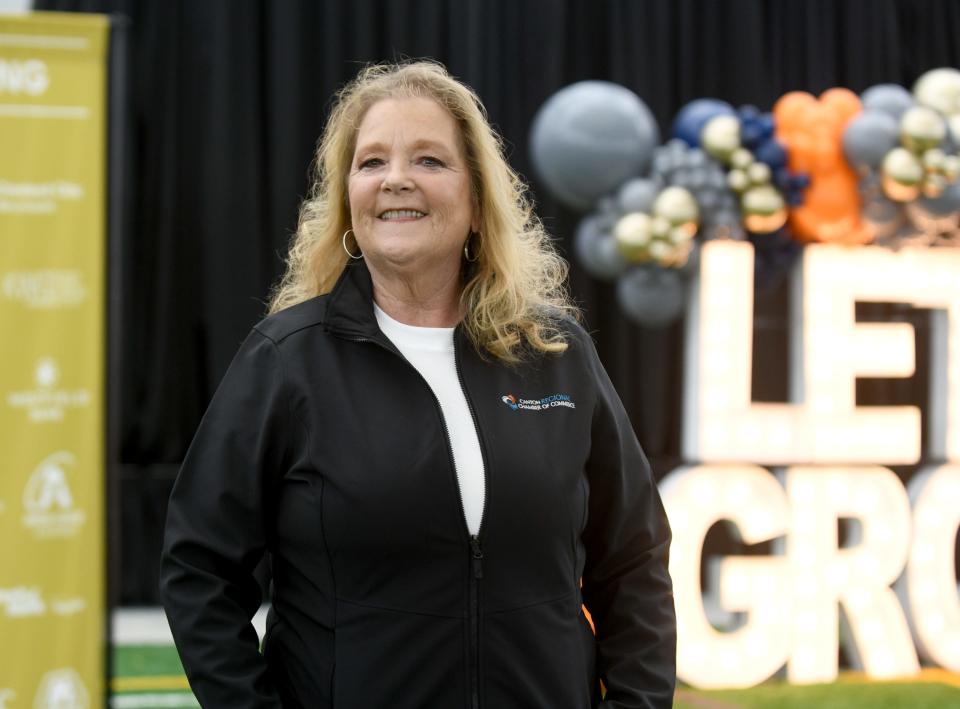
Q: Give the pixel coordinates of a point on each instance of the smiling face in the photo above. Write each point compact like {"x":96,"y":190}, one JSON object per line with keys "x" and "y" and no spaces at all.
{"x":409,"y":188}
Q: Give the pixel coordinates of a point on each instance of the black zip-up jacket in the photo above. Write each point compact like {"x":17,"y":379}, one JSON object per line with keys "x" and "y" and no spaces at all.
{"x":325,"y":447}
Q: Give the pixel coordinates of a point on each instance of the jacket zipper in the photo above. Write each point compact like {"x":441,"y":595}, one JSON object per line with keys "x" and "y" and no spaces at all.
{"x":476,"y":550}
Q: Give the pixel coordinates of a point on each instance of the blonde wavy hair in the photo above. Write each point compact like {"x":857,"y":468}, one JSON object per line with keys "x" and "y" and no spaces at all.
{"x":514,"y":294}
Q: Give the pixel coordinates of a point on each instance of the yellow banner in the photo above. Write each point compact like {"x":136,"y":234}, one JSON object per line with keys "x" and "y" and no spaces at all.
{"x":53,"y":100}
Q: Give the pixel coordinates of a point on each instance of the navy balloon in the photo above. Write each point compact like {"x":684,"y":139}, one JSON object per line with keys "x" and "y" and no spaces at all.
{"x":947,"y":203}
{"x":772,"y":153}
{"x":588,"y":138}
{"x":695,"y":115}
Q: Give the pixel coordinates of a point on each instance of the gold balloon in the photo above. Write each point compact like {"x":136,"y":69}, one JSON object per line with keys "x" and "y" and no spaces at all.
{"x":759,"y":173}
{"x":951,"y":167}
{"x":902,"y":174}
{"x":939,"y":89}
{"x":659,"y":227}
{"x":678,"y":207}
{"x":737,"y":180}
{"x":633,"y":235}
{"x":933,"y":160}
{"x":922,"y":128}
{"x":720,"y":137}
{"x":934,"y":185}
{"x":764,"y":210}
{"x":741,"y":158}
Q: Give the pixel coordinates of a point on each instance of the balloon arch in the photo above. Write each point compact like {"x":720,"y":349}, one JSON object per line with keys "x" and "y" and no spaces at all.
{"x":877,"y":168}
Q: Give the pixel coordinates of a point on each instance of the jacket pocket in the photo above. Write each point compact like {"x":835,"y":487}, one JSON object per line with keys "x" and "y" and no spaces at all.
{"x":535,"y":657}
{"x":302,"y":671}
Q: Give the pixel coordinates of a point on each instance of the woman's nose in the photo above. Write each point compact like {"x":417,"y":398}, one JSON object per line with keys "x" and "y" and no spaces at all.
{"x":397,"y":178}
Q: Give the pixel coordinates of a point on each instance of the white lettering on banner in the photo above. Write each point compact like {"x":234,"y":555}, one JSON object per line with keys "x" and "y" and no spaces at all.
{"x":790,"y":603}
{"x":62,"y":689}
{"x":48,"y":501}
{"x":24,"y":77}
{"x":22,"y":602}
{"x":68,"y":606}
{"x":45,"y":403}
{"x":6,"y":695}
{"x":37,"y":197}
{"x":44,"y":289}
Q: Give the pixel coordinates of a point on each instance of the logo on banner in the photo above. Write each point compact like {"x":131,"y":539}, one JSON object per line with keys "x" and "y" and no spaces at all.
{"x":22,"y":602}
{"x":48,"y":500}
{"x":44,"y":289}
{"x":62,"y":689}
{"x":46,"y":402}
{"x":24,"y":77}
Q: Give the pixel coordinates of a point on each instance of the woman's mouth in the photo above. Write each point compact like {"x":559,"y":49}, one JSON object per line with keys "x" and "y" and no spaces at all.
{"x":401,"y":214}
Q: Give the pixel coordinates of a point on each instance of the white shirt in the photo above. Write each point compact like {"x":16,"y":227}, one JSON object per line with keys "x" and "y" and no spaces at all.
{"x":430,"y":351}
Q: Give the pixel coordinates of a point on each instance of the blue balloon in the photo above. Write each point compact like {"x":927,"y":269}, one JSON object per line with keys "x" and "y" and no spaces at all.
{"x":694,"y":116}
{"x":772,"y":153}
{"x":588,"y":138}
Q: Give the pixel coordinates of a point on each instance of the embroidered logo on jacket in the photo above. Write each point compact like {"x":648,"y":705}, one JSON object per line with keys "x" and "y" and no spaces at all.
{"x":547,"y":402}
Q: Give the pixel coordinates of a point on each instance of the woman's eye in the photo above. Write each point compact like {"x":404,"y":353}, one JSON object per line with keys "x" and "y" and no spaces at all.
{"x":431,"y":161}
{"x":371,"y":163}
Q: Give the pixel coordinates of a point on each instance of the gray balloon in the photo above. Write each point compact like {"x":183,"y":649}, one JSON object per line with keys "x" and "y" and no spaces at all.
{"x":869,"y":137}
{"x":890,"y":99}
{"x":637,"y":195}
{"x":651,"y":296}
{"x":597,"y":250}
{"x":946,"y":204}
{"x":884,"y":215}
{"x":588,"y":138}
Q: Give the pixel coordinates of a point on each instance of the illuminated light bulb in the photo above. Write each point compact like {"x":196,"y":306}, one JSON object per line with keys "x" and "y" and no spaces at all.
{"x":715,"y":434}
{"x":807,"y":586}
{"x":717,"y":333}
{"x":736,"y":583}
{"x":883,"y":535}
{"x":719,"y":365}
{"x":758,"y":518}
{"x":806,"y":622}
{"x":738,"y":493}
{"x":882,"y":663}
{"x":677,"y":517}
{"x":868,"y":564}
{"x":758,"y":648}
{"x":694,"y":654}
{"x":803,"y":493}
{"x":926,"y":591}
{"x":933,"y":622}
{"x":858,"y":599}
{"x":716,"y":399}
{"x":922,"y":554}
{"x":703,"y":492}
{"x":748,"y":433}
{"x":872,"y":631}
{"x":781,"y":436}
{"x":730,"y":661}
{"x":840,"y":574}
{"x":805,"y":556}
{"x":767,"y":615}
{"x":837,"y":489}
{"x":804,"y":656}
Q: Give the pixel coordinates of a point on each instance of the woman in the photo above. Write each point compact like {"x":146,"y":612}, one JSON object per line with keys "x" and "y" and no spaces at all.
{"x":427,"y":445}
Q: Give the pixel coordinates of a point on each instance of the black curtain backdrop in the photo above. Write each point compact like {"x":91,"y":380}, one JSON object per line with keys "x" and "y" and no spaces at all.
{"x":228,"y":98}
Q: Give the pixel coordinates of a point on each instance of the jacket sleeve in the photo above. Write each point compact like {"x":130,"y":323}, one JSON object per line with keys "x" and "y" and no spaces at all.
{"x":216,"y":533}
{"x":626,"y":585}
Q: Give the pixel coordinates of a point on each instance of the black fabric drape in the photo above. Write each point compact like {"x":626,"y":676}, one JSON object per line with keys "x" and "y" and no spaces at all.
{"x":229,"y":98}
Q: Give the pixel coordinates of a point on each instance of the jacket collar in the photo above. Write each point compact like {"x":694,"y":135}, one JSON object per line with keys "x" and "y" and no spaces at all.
{"x":350,"y":304}
{"x":349,"y":311}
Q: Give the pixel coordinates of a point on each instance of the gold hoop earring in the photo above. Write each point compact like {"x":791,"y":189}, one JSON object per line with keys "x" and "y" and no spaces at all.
{"x":343,"y":240}
{"x":466,"y":248}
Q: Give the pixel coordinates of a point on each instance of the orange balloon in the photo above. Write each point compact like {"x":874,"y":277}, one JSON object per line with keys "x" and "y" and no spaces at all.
{"x":812,"y":131}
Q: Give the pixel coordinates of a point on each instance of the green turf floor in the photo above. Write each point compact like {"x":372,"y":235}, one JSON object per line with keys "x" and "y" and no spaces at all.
{"x":151,"y":677}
